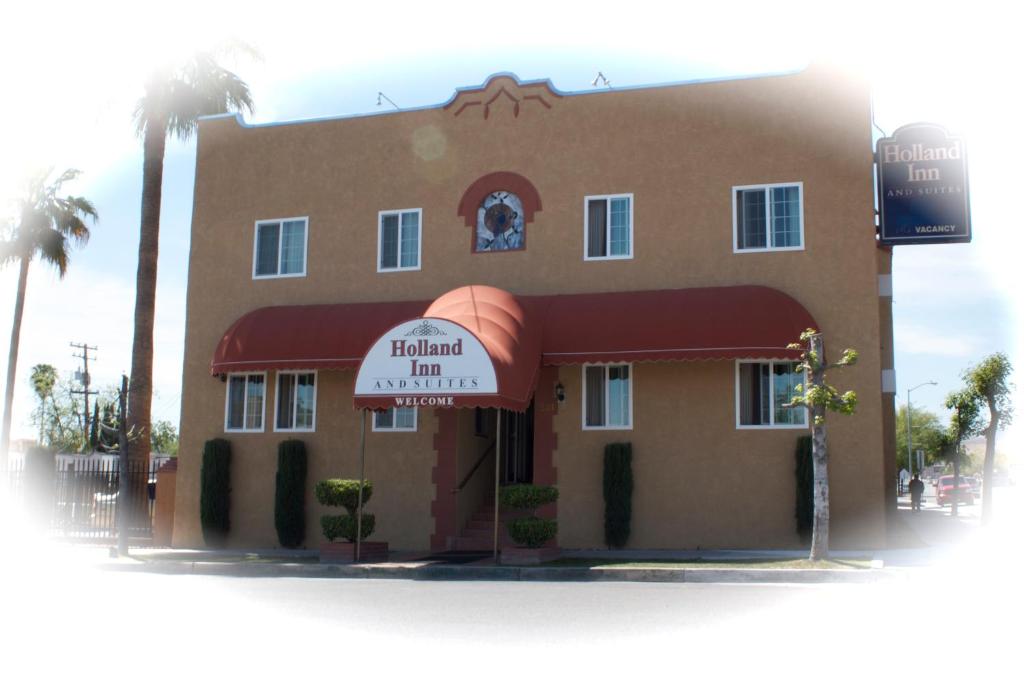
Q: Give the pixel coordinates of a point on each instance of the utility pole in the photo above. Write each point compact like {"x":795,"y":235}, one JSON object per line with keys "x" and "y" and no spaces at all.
{"x":84,"y":374}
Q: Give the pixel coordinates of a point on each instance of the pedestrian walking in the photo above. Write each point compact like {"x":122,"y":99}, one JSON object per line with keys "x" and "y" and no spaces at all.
{"x":916,"y":493}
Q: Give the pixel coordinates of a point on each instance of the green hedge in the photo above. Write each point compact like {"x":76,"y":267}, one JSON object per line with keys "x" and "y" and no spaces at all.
{"x":527,"y":496}
{"x":532,"y":532}
{"x":290,"y":493}
{"x":343,"y":493}
{"x":804,"y":489}
{"x":344,"y":526}
{"x":215,"y":492}
{"x":618,"y":493}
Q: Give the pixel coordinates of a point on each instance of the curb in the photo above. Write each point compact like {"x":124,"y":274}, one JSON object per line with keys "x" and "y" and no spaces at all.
{"x":440,"y":572}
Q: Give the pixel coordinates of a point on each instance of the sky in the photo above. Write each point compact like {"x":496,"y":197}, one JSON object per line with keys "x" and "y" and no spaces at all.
{"x":70,"y":74}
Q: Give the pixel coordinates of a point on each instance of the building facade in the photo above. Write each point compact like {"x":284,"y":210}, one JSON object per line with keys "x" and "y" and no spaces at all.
{"x":642,"y":257}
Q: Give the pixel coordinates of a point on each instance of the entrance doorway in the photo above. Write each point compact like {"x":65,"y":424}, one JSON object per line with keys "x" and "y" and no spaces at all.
{"x":516,"y":441}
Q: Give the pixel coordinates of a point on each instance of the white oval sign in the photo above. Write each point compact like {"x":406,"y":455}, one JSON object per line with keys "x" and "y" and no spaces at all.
{"x":426,"y":356}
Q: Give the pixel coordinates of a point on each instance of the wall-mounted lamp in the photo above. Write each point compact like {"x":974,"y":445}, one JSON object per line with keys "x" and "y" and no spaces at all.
{"x":559,"y":392}
{"x":223,"y":377}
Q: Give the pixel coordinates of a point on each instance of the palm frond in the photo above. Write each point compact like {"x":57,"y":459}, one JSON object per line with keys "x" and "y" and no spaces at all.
{"x":175,"y":99}
{"x":53,"y":248}
{"x":47,"y":221}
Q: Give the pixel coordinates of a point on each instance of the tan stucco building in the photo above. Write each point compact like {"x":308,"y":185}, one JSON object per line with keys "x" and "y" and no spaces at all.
{"x":723,"y":216}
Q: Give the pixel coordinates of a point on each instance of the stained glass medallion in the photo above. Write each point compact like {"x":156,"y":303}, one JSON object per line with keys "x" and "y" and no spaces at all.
{"x":499,"y":225}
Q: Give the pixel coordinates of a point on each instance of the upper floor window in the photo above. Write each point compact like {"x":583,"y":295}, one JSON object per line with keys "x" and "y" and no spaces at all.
{"x":608,"y":227}
{"x":280,"y":249}
{"x":398,"y":240}
{"x":763,"y":388}
{"x":296,"y":402}
{"x":768,"y":217}
{"x":244,"y":402}
{"x":607,"y":397}
{"x":395,"y":420}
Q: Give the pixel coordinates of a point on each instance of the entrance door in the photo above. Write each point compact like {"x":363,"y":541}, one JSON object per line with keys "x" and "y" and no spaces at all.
{"x":517,"y":446}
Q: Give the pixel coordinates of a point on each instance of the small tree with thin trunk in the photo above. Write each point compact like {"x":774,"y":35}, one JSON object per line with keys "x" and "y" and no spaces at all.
{"x":819,"y":397}
{"x":990,"y":380}
{"x":965,"y":422}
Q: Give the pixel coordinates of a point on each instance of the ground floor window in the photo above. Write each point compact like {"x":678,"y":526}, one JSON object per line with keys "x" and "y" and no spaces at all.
{"x":244,"y":403}
{"x":763,"y":388}
{"x":395,"y":420}
{"x":296,"y":402}
{"x":607,"y":397}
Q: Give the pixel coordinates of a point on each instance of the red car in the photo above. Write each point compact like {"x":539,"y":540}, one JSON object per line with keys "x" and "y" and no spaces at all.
{"x":945,"y":493}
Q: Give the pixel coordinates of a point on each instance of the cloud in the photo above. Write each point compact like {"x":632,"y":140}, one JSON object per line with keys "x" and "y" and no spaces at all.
{"x":918,"y":340}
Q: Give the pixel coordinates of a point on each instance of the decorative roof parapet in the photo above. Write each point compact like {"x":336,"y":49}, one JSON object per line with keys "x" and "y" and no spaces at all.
{"x":504,"y":90}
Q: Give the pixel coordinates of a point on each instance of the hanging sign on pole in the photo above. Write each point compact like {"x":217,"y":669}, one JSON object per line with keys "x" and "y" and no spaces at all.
{"x":922,"y":187}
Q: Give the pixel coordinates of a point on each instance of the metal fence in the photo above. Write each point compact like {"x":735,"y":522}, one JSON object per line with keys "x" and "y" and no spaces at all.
{"x":81,"y":501}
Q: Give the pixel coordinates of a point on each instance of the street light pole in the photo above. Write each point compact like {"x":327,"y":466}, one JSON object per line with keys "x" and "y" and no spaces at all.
{"x":910,"y":461}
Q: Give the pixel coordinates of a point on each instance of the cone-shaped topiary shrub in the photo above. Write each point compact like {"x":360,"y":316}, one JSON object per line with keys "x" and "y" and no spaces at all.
{"x":618,"y":493}
{"x":531,"y":531}
{"x":290,"y":493}
{"x":344,"y":493}
{"x":215,"y":492}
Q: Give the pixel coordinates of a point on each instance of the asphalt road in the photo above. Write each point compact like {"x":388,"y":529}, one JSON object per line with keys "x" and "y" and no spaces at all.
{"x":68,"y":620}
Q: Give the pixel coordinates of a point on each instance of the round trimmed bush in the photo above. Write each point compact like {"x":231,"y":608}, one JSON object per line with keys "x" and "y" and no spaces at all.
{"x":527,"y":496}
{"x":532,"y":532}
{"x":344,"y":526}
{"x":343,"y":493}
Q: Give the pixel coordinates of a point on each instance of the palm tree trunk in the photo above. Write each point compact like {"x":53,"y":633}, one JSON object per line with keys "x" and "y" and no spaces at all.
{"x":12,"y":363}
{"x":989,"y":467}
{"x":140,"y":392}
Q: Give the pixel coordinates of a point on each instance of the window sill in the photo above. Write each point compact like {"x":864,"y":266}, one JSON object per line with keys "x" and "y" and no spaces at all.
{"x":608,"y":428}
{"x":398,"y":270}
{"x":761,"y":250}
{"x":769,"y":427}
{"x":244,"y":431}
{"x":608,"y":258}
{"x":278,"y":277}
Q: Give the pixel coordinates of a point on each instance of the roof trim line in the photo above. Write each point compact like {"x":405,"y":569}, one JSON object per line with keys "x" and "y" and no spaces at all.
{"x":519,"y":82}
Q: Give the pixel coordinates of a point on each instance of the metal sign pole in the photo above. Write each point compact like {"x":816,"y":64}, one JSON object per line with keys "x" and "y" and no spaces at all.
{"x":362,"y":466}
{"x":497,"y":470}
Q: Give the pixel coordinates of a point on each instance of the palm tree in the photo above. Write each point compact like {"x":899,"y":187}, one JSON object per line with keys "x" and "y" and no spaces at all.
{"x":175,"y":97}
{"x":45,"y":225}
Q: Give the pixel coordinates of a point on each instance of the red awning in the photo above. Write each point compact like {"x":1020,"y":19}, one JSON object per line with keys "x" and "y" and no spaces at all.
{"x":522,"y":333}
{"x":673,"y":324}
{"x":511,"y":339}
{"x":330,"y":336}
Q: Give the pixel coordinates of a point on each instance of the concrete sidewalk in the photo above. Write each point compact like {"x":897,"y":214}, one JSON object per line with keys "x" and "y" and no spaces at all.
{"x":930,"y":538}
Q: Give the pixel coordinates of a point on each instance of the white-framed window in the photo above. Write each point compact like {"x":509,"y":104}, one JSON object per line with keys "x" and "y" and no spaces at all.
{"x":607,"y":227}
{"x":398,"y":240}
{"x":245,"y":401}
{"x":395,"y":420}
{"x":768,"y":217}
{"x":295,"y":402}
{"x":279,"y":249}
{"x":608,"y":396}
{"x":763,"y":388}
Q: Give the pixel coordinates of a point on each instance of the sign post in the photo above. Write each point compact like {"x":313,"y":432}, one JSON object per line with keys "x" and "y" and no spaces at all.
{"x":922,"y":187}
